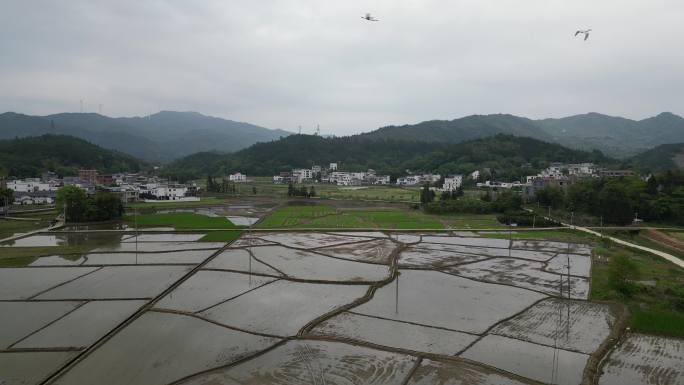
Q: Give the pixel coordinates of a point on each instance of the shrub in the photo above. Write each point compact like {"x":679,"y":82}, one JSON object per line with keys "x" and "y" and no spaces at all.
{"x":621,"y":274}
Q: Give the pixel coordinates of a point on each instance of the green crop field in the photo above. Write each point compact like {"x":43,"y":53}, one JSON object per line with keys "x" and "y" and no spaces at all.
{"x":221,"y":236}
{"x":554,"y":235}
{"x":656,"y":297}
{"x":181,"y":221}
{"x":329,"y":217}
{"x":9,"y":227}
{"x":320,"y":216}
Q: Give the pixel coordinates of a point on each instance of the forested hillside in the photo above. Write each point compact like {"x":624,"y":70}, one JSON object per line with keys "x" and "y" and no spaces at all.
{"x":507,"y":156}
{"x":29,"y":157}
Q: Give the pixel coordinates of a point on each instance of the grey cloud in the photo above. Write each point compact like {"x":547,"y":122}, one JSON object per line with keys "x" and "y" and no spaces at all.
{"x":287,"y":63}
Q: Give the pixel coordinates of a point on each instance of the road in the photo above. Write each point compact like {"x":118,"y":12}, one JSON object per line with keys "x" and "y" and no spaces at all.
{"x":659,"y":253}
{"x":662,"y":254}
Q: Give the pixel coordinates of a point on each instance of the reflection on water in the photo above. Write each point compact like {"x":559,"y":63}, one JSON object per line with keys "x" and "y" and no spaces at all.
{"x":67,"y":239}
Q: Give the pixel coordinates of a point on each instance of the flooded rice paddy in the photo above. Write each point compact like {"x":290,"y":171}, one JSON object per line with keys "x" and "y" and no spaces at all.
{"x":362,"y":307}
{"x":642,"y":359}
{"x":315,"y":362}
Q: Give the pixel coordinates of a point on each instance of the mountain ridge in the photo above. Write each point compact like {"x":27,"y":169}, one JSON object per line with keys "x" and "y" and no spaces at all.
{"x":159,"y":137}
{"x":30,"y":156}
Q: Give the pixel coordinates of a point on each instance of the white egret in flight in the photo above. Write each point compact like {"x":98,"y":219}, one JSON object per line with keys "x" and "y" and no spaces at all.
{"x":585,"y":32}
{"x":369,"y":17}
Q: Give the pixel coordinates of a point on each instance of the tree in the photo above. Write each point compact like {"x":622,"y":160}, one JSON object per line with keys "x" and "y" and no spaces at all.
{"x":615,"y":205}
{"x":73,"y":201}
{"x":550,"y":196}
{"x":290,"y":189}
{"x":652,"y":185}
{"x":254,"y":190}
{"x":312,"y":191}
{"x":81,"y":208}
{"x":6,"y":197}
{"x":426,"y":195}
{"x":106,"y":206}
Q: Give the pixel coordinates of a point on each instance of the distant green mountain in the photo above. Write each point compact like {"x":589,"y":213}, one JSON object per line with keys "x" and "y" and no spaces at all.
{"x":29,"y":157}
{"x":161,"y":137}
{"x":354,"y":153}
{"x":660,"y":158}
{"x":459,"y":130}
{"x":508,"y":156}
{"x":615,"y":136}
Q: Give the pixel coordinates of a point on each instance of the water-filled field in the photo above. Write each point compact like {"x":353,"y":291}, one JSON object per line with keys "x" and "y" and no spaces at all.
{"x":364,"y":307}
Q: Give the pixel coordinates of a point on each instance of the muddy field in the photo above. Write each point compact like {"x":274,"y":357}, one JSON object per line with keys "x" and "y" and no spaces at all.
{"x":304,"y":308}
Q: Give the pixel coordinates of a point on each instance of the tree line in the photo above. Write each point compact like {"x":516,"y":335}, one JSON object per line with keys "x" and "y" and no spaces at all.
{"x":80,"y":207}
{"x":619,"y":201}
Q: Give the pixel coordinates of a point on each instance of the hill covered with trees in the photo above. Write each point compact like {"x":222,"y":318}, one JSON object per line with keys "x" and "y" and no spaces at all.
{"x":29,"y":157}
{"x":660,"y":158}
{"x":507,"y":156}
{"x":160,"y":137}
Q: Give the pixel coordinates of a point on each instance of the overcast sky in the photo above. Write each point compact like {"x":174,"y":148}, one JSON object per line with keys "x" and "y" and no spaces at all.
{"x":282,"y":64}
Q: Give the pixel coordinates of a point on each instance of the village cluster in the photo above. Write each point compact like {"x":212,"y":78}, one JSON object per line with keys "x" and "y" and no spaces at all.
{"x":133,"y":187}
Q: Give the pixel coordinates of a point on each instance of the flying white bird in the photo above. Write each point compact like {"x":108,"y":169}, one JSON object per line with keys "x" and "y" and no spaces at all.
{"x":369,"y":17}
{"x":585,"y":32}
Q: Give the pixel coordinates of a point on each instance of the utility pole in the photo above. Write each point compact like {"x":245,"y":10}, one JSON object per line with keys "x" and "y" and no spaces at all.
{"x":396,"y":295}
{"x":510,"y":238}
{"x":135,"y":216}
{"x":572,"y":217}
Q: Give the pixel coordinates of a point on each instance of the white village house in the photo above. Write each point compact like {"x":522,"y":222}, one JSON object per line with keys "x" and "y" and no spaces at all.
{"x":452,"y":183}
{"x":237,"y":177}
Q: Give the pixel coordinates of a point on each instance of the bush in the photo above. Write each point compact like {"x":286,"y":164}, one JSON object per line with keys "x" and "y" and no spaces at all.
{"x":621,"y":274}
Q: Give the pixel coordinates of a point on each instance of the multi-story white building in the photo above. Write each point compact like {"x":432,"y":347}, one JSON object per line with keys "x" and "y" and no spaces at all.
{"x":170,"y":192}
{"x":360,"y":176}
{"x":452,"y":183}
{"x":237,"y":177}
{"x":430,"y":178}
{"x":30,"y":185}
{"x":381,"y":179}
{"x":410,"y":180}
{"x":301,"y":174}
{"x":341,"y":178}
{"x":333,"y":167}
{"x":582,"y":169}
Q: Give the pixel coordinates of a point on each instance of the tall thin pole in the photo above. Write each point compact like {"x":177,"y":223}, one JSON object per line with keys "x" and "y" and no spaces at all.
{"x":572,"y":218}
{"x":510,"y":238}
{"x":396,"y":296}
{"x":249,"y":251}
{"x":135,"y":216}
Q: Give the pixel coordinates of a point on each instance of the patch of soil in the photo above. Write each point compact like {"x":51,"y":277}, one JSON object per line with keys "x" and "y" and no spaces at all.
{"x":665,"y":240}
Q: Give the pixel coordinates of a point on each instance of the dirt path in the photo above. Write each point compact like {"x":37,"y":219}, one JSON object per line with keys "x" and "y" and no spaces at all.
{"x":665,"y":240}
